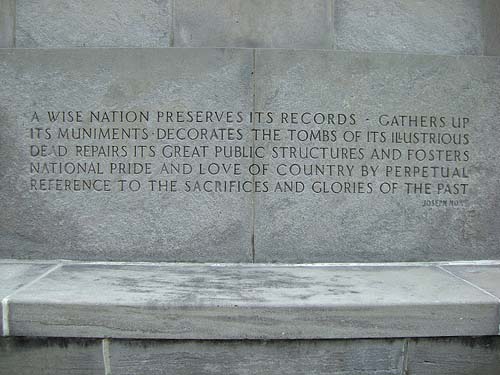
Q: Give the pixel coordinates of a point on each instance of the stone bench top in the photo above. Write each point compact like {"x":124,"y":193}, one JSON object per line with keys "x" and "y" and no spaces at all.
{"x":249,"y":301}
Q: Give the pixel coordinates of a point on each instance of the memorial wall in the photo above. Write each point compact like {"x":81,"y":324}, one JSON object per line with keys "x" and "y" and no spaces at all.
{"x":245,"y":155}
{"x":250,"y":187}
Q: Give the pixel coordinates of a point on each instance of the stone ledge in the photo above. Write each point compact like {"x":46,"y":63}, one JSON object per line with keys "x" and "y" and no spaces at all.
{"x":247,"y":301}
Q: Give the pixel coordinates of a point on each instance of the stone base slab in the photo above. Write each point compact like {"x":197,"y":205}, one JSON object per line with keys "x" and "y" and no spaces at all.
{"x":249,"y":301}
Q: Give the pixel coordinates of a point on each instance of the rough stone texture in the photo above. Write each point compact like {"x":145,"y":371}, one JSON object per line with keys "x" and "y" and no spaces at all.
{"x":454,"y":356}
{"x":15,"y":275}
{"x":336,"y":357}
{"x":426,"y":356}
{"x":22,"y":356}
{"x":429,"y":26}
{"x":254,"y":23}
{"x":485,"y":277}
{"x":145,"y":225}
{"x":7,"y":20}
{"x":87,"y":23}
{"x":353,"y":227}
{"x":251,"y":302}
{"x":491,"y":27}
{"x":426,"y":26}
{"x":287,"y":227}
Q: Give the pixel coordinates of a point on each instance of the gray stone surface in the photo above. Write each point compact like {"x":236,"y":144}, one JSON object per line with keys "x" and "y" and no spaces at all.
{"x":254,"y":23}
{"x":426,"y":356}
{"x":333,"y":357}
{"x":16,"y":275}
{"x":485,"y":277}
{"x":491,"y":27}
{"x":356,"y":225}
{"x":7,"y":20}
{"x":22,"y":356}
{"x":429,"y":26}
{"x":454,"y":356}
{"x":119,"y":225}
{"x":87,"y":23}
{"x":426,"y":26}
{"x":251,"y":302}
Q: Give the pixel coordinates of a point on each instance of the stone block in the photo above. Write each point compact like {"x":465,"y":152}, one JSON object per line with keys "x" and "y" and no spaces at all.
{"x":454,"y":356}
{"x":7,"y":21}
{"x":16,"y":275}
{"x":253,"y":23}
{"x":369,"y":153}
{"x":87,"y":23}
{"x":491,"y":27}
{"x":212,"y":302}
{"x":333,"y":357}
{"x":427,"y":26}
{"x":28,"y":356}
{"x":396,"y":155}
{"x":104,"y":218}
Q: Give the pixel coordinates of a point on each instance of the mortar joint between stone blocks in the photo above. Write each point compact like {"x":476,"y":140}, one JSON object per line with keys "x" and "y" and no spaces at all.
{"x":404,"y":366}
{"x":254,"y":89}
{"x":5,"y":317}
{"x":106,"y":356}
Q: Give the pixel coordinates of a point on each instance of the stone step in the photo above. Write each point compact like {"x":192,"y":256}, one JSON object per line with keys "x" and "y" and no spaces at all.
{"x":103,"y":318}
{"x":249,"y":301}
{"x":430,"y":26}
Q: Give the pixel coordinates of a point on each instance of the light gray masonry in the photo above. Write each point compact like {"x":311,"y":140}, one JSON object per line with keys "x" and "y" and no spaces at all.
{"x":428,"y":26}
{"x":292,"y":134}
{"x":483,"y":276}
{"x":89,"y":23}
{"x":297,"y":357}
{"x":126,"y":225}
{"x":331,"y":224}
{"x":164,"y":23}
{"x":28,"y":356}
{"x":425,"y":356}
{"x":351,"y":222}
{"x":255,"y":23}
{"x":16,"y":275}
{"x":7,"y":23}
{"x":467,"y":27}
{"x":82,"y":301}
{"x":491,"y":26}
{"x":454,"y":356}
{"x":251,"y":302}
